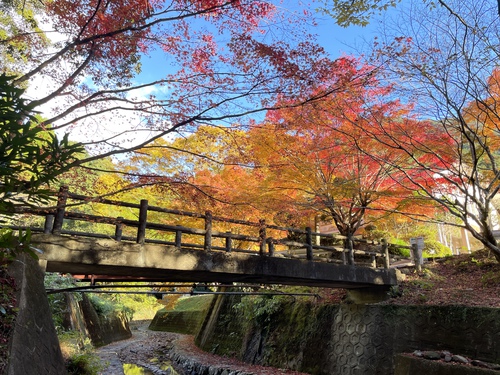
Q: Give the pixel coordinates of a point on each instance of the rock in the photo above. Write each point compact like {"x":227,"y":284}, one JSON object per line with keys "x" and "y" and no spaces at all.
{"x":459,"y":359}
{"x":431,"y":355}
{"x":482,"y":364}
{"x":447,"y":358}
{"x":417,"y":353}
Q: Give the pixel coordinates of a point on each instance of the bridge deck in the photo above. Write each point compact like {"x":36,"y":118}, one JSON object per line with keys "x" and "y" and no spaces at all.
{"x":113,"y":258}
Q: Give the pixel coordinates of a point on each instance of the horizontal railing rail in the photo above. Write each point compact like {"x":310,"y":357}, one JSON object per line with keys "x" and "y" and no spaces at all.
{"x":259,"y":237}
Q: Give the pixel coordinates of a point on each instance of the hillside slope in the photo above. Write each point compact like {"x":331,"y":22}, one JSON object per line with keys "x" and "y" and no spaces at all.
{"x":470,"y":280}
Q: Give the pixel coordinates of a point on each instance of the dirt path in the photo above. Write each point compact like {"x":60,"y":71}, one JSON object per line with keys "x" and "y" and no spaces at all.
{"x":149,"y":349}
{"x":140,"y":349}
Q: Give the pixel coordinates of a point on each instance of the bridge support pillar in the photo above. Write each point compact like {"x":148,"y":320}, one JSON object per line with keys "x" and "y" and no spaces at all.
{"x":42,"y":263}
{"x":369,"y":295}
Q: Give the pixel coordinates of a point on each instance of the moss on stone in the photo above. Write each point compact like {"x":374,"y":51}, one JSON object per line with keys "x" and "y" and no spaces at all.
{"x":186,"y":317}
{"x":331,"y":339}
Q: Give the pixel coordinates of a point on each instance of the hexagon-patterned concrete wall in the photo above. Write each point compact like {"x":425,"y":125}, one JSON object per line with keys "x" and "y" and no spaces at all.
{"x":364,"y":339}
{"x":357,"y":339}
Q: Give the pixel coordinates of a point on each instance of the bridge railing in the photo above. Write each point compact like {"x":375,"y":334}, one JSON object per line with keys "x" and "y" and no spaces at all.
{"x":258,"y":238}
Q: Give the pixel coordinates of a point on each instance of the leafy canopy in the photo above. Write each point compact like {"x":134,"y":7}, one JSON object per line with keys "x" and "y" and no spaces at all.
{"x":355,"y":12}
{"x":31,"y":158}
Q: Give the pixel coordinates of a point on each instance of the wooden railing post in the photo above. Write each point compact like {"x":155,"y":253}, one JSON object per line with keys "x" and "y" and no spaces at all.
{"x":385,"y":251}
{"x":119,"y":228}
{"x":309,"y":246}
{"x":416,"y":257}
{"x":178,"y":239}
{"x":62,"y":199}
{"x":270,"y":246}
{"x":49,"y":224}
{"x":208,"y":231}
{"x":229,"y":242}
{"x":262,"y":236}
{"x":143,"y":219}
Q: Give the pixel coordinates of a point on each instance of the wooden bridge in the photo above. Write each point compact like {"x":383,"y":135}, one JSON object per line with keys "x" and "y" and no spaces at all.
{"x":156,"y":244}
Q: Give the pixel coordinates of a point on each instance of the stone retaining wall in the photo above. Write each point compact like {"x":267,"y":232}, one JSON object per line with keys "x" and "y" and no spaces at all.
{"x":348,"y":339}
{"x":103,"y":330}
{"x":33,"y":347}
{"x":186,"y":322}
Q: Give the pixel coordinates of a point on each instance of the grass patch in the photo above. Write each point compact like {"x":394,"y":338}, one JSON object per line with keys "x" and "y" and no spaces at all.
{"x":86,"y":363}
{"x":79,"y":355}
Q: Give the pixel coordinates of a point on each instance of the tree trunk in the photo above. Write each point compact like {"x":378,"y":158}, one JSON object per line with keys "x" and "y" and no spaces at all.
{"x":488,"y":240}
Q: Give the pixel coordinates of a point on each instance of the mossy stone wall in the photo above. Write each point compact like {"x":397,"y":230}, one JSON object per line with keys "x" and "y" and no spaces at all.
{"x":186,"y":322}
{"x":33,"y":346}
{"x":348,"y":339}
{"x":186,"y":317}
{"x":104,"y":330}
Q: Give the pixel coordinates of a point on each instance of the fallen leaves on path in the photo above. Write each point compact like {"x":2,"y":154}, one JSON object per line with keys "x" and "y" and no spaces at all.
{"x":467,"y":280}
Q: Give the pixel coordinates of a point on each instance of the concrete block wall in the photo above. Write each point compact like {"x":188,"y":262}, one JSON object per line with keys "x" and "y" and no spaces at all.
{"x":34,"y":347}
{"x":349,"y":339}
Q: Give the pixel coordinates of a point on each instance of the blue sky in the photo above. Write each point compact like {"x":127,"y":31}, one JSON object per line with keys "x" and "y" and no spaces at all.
{"x":336,"y":40}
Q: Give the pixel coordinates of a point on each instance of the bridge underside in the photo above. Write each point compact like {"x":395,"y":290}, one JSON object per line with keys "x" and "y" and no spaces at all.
{"x":119,"y":260}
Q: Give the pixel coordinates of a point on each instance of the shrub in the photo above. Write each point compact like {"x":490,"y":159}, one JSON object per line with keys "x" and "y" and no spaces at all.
{"x":436,"y":249}
{"x":105,"y":307}
{"x":260,"y":308}
{"x":397,"y":248}
{"x":57,"y":301}
{"x":86,"y":363}
{"x":8,"y":313}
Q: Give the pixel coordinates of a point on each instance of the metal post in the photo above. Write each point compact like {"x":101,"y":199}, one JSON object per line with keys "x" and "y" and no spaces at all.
{"x":49,"y":223}
{"x":143,"y":219}
{"x":309,"y":247}
{"x":262,"y":236}
{"x":385,"y":251}
{"x":208,"y":231}
{"x":229,"y":242}
{"x":119,"y":228}
{"x":62,"y":198}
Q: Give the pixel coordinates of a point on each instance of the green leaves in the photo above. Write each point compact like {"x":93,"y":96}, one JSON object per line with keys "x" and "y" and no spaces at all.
{"x":31,"y":156}
{"x":12,"y":244}
{"x":358,"y":12}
